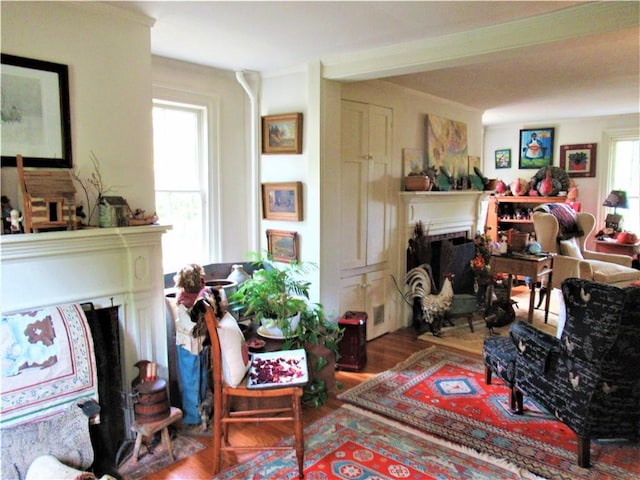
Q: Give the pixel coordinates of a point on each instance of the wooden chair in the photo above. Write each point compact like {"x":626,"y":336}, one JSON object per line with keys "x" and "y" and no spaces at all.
{"x":223,"y":416}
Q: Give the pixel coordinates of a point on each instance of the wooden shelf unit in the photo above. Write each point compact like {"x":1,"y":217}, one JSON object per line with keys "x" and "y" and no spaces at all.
{"x":503,"y":210}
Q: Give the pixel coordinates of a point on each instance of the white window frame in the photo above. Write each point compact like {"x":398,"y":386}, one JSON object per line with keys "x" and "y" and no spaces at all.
{"x":606,"y":184}
{"x":209,"y":164}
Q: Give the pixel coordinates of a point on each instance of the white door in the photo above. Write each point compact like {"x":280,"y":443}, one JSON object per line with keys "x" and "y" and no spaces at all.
{"x":354,"y":184}
{"x":379,"y":184}
{"x":365,"y":184}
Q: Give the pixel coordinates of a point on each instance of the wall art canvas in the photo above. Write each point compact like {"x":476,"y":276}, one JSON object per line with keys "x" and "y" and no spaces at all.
{"x":414,"y":161}
{"x":35,"y":113}
{"x":503,"y":158}
{"x":579,"y":160}
{"x":282,"y":201}
{"x":447,"y":145}
{"x":282,"y":133}
{"x":536,"y":147}
{"x":283,"y":245}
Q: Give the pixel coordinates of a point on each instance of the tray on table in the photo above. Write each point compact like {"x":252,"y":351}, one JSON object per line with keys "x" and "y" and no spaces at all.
{"x":284,"y":368}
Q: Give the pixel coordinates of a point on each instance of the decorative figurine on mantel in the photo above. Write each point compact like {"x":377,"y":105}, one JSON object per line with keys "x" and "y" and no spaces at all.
{"x":16,"y":221}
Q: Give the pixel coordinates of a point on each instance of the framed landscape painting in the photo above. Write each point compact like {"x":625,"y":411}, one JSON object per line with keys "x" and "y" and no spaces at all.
{"x":282,"y":201}
{"x":283,"y":245}
{"x":536,"y":147}
{"x":579,"y":160}
{"x":282,"y":133}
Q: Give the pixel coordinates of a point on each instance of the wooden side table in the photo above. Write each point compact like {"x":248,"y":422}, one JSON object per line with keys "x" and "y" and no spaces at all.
{"x":526,"y":265}
{"x":605,"y":246}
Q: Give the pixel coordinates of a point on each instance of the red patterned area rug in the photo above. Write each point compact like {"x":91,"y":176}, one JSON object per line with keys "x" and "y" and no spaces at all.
{"x":352,"y":444}
{"x":444,"y":394}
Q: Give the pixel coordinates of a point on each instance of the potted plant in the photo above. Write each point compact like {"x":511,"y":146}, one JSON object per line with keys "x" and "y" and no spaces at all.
{"x":275,"y":295}
{"x":320,"y":337}
{"x":279,"y":294}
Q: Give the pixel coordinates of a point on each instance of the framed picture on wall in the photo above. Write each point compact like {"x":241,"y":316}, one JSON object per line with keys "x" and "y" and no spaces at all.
{"x":536,"y":147}
{"x":36,"y":119}
{"x":282,"y":201}
{"x":283,"y":245}
{"x":282,"y":133}
{"x":503,"y":158}
{"x":579,"y":160}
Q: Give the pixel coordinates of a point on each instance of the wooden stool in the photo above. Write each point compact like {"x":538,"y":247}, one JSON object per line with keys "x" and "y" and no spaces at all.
{"x":149,"y":429}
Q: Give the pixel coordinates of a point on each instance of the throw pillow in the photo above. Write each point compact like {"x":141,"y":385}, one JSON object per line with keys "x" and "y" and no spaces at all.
{"x":570,"y":248}
{"x":235,"y":354}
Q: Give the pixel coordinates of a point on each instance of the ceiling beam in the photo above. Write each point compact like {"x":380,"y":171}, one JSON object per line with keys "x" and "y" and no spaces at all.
{"x":476,"y":45}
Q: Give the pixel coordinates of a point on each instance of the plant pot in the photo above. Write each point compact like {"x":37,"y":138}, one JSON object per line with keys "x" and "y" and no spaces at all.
{"x":270,"y":328}
{"x":417,"y":183}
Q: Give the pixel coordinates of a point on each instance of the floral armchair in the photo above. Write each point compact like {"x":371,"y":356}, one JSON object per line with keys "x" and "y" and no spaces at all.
{"x":589,"y":378}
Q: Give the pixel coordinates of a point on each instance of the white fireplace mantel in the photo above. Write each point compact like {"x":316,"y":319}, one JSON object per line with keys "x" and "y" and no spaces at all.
{"x":440,"y":213}
{"x":106,"y":266}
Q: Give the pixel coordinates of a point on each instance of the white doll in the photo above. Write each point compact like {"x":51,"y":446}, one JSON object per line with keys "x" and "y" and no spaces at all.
{"x":16,"y":219}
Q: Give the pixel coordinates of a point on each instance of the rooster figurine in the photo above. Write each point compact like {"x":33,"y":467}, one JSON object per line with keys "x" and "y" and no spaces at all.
{"x":434,"y":306}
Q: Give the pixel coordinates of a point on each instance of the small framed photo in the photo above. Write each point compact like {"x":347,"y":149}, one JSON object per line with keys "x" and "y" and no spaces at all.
{"x":36,"y":118}
{"x":282,"y":133}
{"x":536,"y":147}
{"x":282,"y":201}
{"x":503,"y":158}
{"x":579,"y":160}
{"x":283,"y":245}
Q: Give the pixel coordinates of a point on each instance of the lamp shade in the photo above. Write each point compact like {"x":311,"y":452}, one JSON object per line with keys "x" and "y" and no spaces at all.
{"x":616,"y":199}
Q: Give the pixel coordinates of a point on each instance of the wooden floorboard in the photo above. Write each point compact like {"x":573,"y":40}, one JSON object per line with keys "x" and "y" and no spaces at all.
{"x":382,"y":353}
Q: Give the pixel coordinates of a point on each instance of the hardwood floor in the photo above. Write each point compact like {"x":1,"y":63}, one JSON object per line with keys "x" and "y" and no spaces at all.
{"x":382,"y":353}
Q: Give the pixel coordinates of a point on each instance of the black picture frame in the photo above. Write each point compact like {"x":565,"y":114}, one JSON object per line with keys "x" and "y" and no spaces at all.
{"x":536,"y":147}
{"x":36,"y":116}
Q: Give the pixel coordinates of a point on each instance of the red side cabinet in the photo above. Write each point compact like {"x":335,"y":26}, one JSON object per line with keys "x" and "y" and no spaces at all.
{"x":353,"y":346}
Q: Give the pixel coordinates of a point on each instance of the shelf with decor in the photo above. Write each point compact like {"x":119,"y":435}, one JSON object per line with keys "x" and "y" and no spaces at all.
{"x":507,"y":212}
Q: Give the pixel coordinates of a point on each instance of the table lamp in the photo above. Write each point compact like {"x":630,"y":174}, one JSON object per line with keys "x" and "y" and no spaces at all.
{"x":616,"y":199}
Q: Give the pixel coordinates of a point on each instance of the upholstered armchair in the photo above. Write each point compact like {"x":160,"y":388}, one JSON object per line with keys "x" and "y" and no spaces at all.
{"x":573,"y":259}
{"x":589,"y":378}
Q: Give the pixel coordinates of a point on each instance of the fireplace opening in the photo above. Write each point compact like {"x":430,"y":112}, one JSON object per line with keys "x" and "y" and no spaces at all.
{"x":111,"y":434}
{"x":445,"y":253}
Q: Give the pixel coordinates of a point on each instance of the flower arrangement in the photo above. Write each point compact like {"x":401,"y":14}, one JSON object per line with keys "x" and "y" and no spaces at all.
{"x":480,"y":264}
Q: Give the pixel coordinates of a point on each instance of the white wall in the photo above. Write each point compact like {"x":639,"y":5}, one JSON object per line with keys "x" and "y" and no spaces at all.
{"x":109,"y":61}
{"x":291,"y":93}
{"x":567,"y":132}
{"x":230,"y":158}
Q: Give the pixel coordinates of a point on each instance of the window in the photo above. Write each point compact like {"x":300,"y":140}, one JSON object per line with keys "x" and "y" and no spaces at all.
{"x":181,"y":181}
{"x":624,"y":171}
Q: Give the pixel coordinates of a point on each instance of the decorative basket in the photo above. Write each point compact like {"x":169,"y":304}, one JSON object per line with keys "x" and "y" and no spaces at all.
{"x":414,"y":183}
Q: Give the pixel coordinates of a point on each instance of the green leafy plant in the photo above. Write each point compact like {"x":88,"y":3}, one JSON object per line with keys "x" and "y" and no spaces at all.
{"x":280,"y":292}
{"x":320,"y":337}
{"x":274,"y":292}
